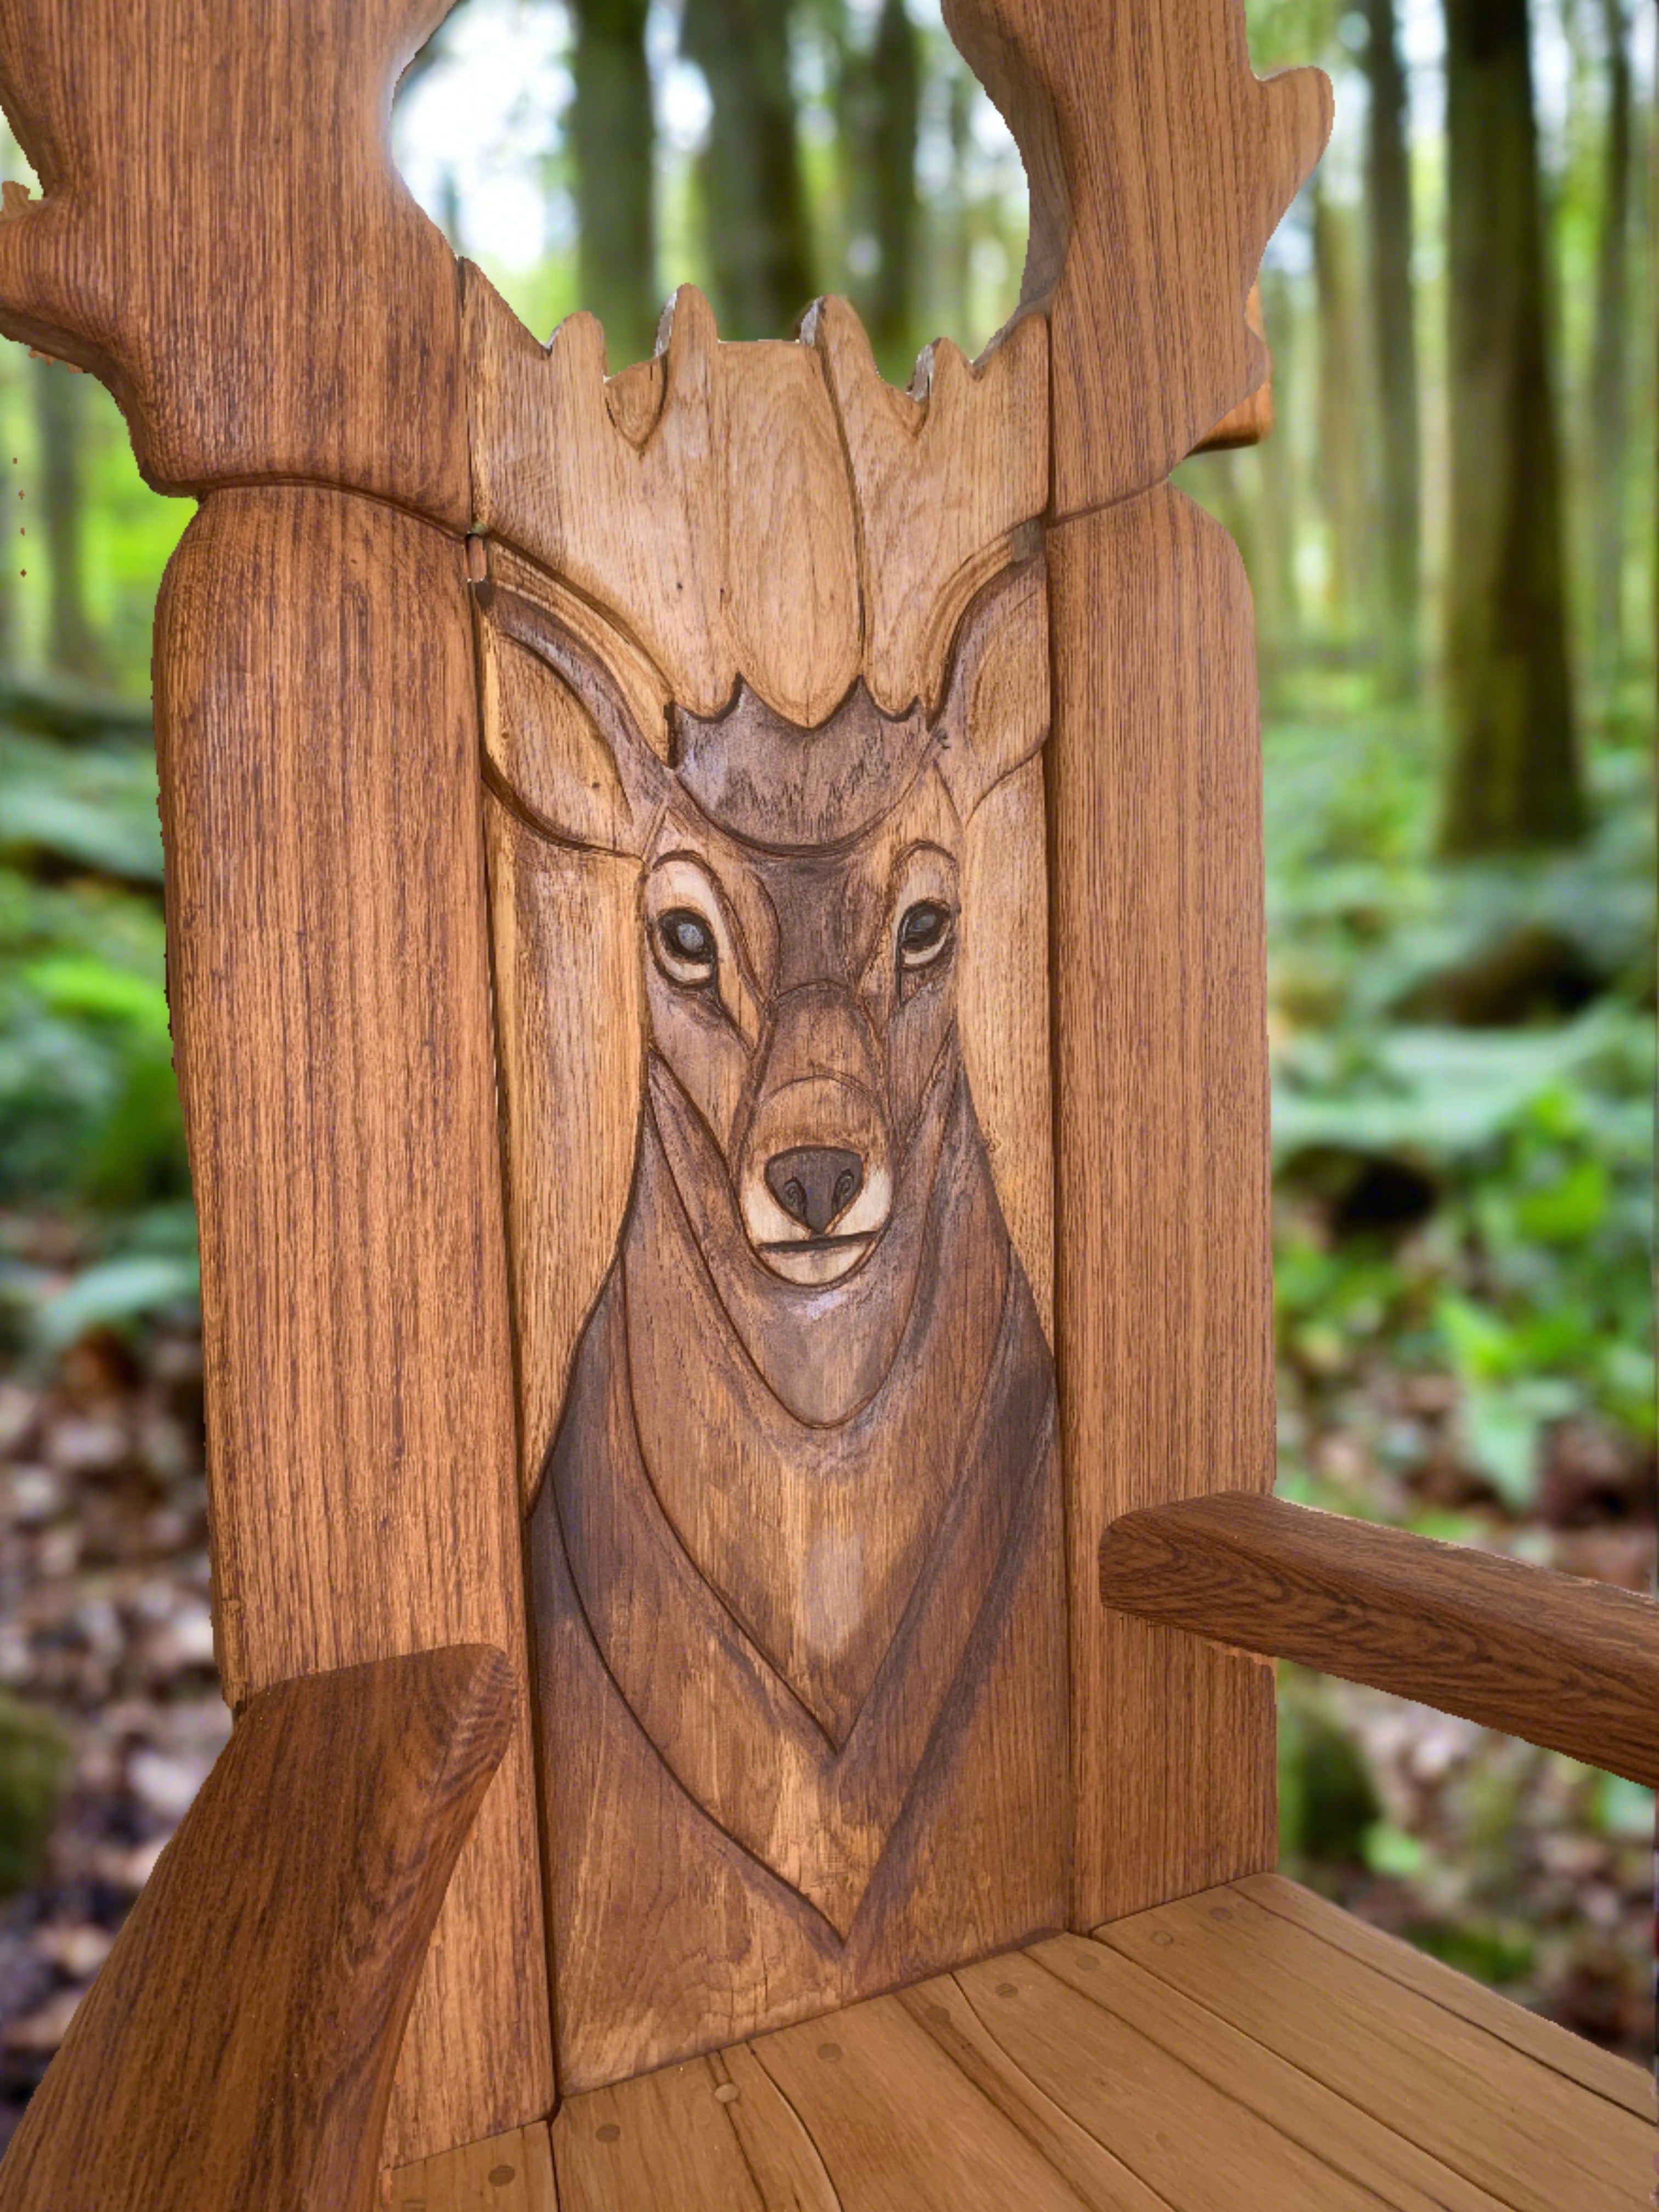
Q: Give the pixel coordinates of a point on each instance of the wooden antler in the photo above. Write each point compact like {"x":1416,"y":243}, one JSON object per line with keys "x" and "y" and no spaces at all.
{"x":224,"y":240}
{"x":1159,"y":166}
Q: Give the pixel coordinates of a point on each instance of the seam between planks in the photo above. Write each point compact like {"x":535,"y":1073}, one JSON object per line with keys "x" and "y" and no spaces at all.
{"x":1187,"y":2066}
{"x":794,"y":2110}
{"x":1042,"y":2095}
{"x":1399,"y":1981}
{"x":1175,"y":2050}
{"x":1473,"y":2180}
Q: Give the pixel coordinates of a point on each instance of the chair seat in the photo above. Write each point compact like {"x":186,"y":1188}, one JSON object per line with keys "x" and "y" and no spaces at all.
{"x":1251,"y":2049}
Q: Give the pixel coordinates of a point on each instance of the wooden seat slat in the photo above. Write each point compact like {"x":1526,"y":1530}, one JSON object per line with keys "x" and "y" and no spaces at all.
{"x":1279,"y":2056}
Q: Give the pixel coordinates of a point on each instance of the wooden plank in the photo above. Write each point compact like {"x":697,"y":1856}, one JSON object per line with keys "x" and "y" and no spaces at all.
{"x":1251,"y":422}
{"x":317,"y":722}
{"x":711,"y":2135}
{"x":1164,"y":1294}
{"x":781,"y":1200}
{"x":238,"y":2047}
{"x":509,"y":2173}
{"x":1159,"y":166}
{"x":1569,"y":1664}
{"x":263,"y":300}
{"x":1518,"y":2130}
{"x":1327,"y":2126}
{"x":1580,"y":2060}
{"x":1170,"y":2125}
{"x":900,"y":2128}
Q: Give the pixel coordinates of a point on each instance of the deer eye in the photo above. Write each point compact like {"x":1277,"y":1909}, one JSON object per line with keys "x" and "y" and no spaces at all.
{"x":923,"y":933}
{"x":686,"y":950}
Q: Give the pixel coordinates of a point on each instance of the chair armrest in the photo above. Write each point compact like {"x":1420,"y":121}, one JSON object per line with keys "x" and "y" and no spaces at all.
{"x":238,"y":2047}
{"x":1570,"y":1665}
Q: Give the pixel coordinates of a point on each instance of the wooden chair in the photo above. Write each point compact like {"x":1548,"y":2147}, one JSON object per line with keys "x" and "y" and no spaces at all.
{"x":716,"y":956}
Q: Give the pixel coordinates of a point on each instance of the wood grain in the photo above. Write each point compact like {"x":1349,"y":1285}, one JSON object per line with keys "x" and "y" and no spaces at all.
{"x":1571,"y":2055}
{"x":1158,"y":167}
{"x":510,"y":2172}
{"x":1251,"y":422}
{"x":237,"y":2049}
{"x":774,"y":511}
{"x":1520,"y":2130}
{"x":224,"y":240}
{"x":790,"y":1555}
{"x":1327,"y":2127}
{"x":1568,"y":1664}
{"x":1164,"y":1297}
{"x":1099,"y":2076}
{"x":327,"y":967}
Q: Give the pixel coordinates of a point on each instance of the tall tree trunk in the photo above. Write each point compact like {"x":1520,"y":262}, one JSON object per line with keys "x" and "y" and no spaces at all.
{"x":1341,"y":449}
{"x":754,"y":199}
{"x":1513,"y":776}
{"x":1388,"y":212}
{"x":1609,"y":380}
{"x":882,"y":106}
{"x":613,"y":143}
{"x":60,"y":419}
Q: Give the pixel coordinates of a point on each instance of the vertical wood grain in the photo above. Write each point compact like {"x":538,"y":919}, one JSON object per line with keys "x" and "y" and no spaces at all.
{"x":317,"y":722}
{"x":1164,"y":1305}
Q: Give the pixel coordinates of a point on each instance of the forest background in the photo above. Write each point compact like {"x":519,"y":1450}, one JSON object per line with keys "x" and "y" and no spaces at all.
{"x":1451,"y":540}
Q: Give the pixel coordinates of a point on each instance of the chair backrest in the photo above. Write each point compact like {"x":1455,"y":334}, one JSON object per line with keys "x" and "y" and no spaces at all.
{"x":716,"y":960}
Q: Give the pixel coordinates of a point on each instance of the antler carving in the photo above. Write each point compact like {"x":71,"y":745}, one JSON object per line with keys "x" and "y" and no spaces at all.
{"x":1159,"y":165}
{"x":224,"y":240}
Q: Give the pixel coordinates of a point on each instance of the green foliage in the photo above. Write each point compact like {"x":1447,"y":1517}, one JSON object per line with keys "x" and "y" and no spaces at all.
{"x":34,"y":1768}
{"x":1473,"y":1192}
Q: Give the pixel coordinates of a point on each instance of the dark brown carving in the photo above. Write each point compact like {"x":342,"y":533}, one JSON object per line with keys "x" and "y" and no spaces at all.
{"x":796,"y":1558}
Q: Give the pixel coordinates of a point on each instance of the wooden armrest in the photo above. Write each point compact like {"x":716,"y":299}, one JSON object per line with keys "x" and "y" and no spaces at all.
{"x":1570,"y":1665}
{"x":237,"y":2049}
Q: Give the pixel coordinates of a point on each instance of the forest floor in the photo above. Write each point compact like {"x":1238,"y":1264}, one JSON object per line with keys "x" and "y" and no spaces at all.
{"x":1463,"y":1073}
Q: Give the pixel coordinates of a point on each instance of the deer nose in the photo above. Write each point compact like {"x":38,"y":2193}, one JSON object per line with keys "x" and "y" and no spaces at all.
{"x":815,"y":1184}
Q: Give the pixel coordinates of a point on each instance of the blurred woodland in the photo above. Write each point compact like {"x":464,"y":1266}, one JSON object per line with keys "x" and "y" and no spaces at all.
{"x":1451,"y":538}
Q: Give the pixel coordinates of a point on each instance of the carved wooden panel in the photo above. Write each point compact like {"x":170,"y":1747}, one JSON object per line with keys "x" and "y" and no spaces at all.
{"x":766,"y":692}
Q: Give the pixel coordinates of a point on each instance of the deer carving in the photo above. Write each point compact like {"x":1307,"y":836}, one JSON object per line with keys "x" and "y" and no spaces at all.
{"x":806,"y":1470}
{"x":769,"y":641}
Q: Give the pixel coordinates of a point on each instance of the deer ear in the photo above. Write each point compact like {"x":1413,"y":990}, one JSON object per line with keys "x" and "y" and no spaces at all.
{"x":994,"y":714}
{"x":568,"y":704}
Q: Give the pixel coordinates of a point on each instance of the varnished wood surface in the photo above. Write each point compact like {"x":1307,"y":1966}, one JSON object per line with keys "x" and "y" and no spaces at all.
{"x":1159,"y":166}
{"x":328,"y":977}
{"x":222,"y":238}
{"x":508,"y":2173}
{"x":1211,"y":2055}
{"x":237,"y":2048}
{"x":1164,"y":1291}
{"x":796,"y":1553}
{"x":1569,"y":1664}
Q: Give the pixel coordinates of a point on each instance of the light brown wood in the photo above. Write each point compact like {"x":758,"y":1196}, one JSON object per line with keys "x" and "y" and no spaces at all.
{"x":224,"y":240}
{"x":1251,"y":422}
{"x":328,"y":966}
{"x":237,"y":2048}
{"x":1159,"y":166}
{"x":795,"y":1557}
{"x":1164,"y":1296}
{"x":1580,"y":2060}
{"x":1361,"y":2150}
{"x":1569,"y":1664}
{"x":1532,"y":2138}
{"x":510,"y":2172}
{"x":1074,"y":2075}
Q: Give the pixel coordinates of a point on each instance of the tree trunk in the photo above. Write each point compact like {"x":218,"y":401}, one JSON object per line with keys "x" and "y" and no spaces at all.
{"x":613,"y":145}
{"x":754,"y":199}
{"x":1610,"y":349}
{"x":883,"y":107}
{"x":1341,"y":449}
{"x":1389,"y":211}
{"x":1513,"y":776}
{"x":60,"y":419}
